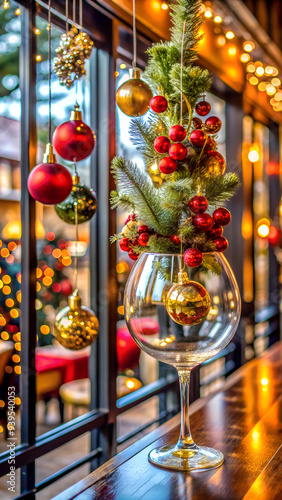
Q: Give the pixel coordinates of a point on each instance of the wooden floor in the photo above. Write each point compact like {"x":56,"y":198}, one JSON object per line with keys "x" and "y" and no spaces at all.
{"x":243,"y":420}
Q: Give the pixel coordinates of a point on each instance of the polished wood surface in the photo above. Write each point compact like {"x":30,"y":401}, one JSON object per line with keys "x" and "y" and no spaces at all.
{"x":243,"y":420}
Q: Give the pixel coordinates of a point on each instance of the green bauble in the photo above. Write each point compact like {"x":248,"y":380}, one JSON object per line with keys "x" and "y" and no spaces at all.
{"x":85,"y":200}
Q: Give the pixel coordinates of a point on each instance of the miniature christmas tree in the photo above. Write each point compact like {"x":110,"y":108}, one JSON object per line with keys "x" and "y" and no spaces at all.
{"x":182,"y":214}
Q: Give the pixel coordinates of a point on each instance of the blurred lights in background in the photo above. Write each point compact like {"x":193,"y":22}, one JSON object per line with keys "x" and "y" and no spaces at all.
{"x":263,"y":226}
{"x":253,"y":155}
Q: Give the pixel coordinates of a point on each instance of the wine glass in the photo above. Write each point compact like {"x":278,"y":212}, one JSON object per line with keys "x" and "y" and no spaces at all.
{"x":196,"y":319}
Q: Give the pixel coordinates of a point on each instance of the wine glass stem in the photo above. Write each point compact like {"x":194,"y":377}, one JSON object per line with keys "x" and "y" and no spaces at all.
{"x":185,"y":438}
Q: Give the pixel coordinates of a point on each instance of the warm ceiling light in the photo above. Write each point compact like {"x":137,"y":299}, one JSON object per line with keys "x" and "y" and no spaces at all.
{"x":262,"y":86}
{"x":253,"y":80}
{"x":251,"y":68}
{"x":232,"y":51}
{"x":37,"y":31}
{"x":164,"y":6}
{"x":208,"y":13}
{"x":249,"y":46}
{"x":18,"y":12}
{"x":229,"y":35}
{"x":276,"y":82}
{"x":122,"y":66}
{"x":38,"y":58}
{"x":260,"y":71}
{"x":278,"y":96}
{"x":245,"y":57}
{"x":221,"y":41}
{"x":218,"y":19}
{"x":253,"y":156}
{"x":6,"y":5}
{"x":270,"y":89}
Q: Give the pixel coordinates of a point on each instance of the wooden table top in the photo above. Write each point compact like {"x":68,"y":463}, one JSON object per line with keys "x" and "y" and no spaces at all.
{"x":243,"y":420}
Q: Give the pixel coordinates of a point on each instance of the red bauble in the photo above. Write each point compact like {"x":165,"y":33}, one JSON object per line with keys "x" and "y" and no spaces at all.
{"x":197,"y":138}
{"x":222,"y":216}
{"x":193,"y":257}
{"x":49,"y":183}
{"x":215,"y":231}
{"x":202,"y":222}
{"x":124,"y":244}
{"x":128,"y":352}
{"x":143,"y":229}
{"x":177,"y":133}
{"x":130,"y":217}
{"x":158,"y":104}
{"x":161,"y":144}
{"x":66,"y":288}
{"x":133,"y":255}
{"x":143,"y":239}
{"x":221,"y":244}
{"x":273,"y":236}
{"x":198,"y":204}
{"x":197,"y":122}
{"x":167,"y":165}
{"x":203,"y":108}
{"x":175,"y":239}
{"x":177,"y":151}
{"x":74,"y":140}
{"x":213,"y":125}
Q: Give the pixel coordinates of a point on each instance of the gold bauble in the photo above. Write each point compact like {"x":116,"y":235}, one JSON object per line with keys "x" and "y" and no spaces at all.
{"x":134,"y":95}
{"x":76,"y":326}
{"x":187,"y":302}
{"x":215,"y":164}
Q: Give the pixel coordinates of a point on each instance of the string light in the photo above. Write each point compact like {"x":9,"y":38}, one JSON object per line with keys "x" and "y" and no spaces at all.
{"x":249,"y":46}
{"x":122,"y":66}
{"x":260,"y":71}
{"x":229,"y":35}
{"x":278,"y":96}
{"x":253,"y":80}
{"x":38,"y":58}
{"x":221,"y":41}
{"x":208,"y":13}
{"x":232,"y":51}
{"x":218,"y":19}
{"x":276,"y":82}
{"x":251,"y":68}
{"x":262,"y":86}
{"x":245,"y":57}
{"x":268,"y":70}
{"x":6,"y":4}
{"x":253,"y":155}
{"x":18,"y":12}
{"x":37,"y":31}
{"x":164,"y":6}
{"x":270,"y":89}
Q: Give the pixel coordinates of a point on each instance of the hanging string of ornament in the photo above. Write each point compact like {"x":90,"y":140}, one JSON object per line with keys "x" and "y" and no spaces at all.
{"x":49,"y":182}
{"x":76,"y":326}
{"x":74,"y":49}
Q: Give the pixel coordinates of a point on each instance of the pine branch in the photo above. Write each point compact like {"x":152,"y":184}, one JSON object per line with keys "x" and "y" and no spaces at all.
{"x":121,"y":201}
{"x":220,"y":188}
{"x":210,"y":264}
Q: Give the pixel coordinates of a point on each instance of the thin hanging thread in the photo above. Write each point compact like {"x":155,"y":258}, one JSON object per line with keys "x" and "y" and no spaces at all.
{"x":74,"y":11}
{"x":50,"y":72}
{"x":67,"y":16}
{"x":134,"y":37}
{"x":76,"y":241}
{"x":80,"y":14}
{"x":181,"y":72}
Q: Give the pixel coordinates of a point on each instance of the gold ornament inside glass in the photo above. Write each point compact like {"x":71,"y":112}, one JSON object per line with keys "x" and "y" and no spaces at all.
{"x":134,"y":95}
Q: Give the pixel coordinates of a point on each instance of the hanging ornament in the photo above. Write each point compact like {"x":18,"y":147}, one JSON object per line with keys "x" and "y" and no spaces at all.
{"x":222,"y":216}
{"x":124,"y":244}
{"x":76,"y":326}
{"x":49,"y":182}
{"x":197,"y":122}
{"x":167,"y":165}
{"x":221,"y":244}
{"x":74,"y":140}
{"x":215,"y":231}
{"x":162,"y":144}
{"x":203,"y":108}
{"x":177,"y":133}
{"x":74,"y":48}
{"x":177,"y":151}
{"x":212,"y":125}
{"x":198,"y":204}
{"x":158,"y":104}
{"x":131,"y":217}
{"x":132,"y":255}
{"x":143,"y":239}
{"x":187,"y":302}
{"x":197,"y":138}
{"x":193,"y":257}
{"x":143,"y":229}
{"x":215,"y":163}
{"x":133,"y":96}
{"x":202,"y":222}
{"x":82,"y":199}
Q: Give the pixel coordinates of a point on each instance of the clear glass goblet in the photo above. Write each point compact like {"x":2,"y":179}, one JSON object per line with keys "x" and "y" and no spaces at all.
{"x":183,"y":345}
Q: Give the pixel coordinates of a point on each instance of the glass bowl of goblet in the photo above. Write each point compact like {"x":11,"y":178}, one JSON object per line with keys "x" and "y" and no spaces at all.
{"x":198,"y":314}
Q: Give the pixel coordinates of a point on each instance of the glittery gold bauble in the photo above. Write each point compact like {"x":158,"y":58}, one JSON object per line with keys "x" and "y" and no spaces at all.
{"x":187,"y":302}
{"x":215,"y":163}
{"x":76,"y":326}
{"x":134,"y":95}
{"x":82,"y":199}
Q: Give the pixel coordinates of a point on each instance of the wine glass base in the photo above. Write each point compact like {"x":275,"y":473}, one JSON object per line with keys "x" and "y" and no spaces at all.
{"x":194,"y":458}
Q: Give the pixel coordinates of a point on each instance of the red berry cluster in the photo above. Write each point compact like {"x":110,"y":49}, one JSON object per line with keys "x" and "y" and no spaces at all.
{"x":176,"y":150}
{"x":211,"y":126}
{"x":127,"y":245}
{"x":205,"y":223}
